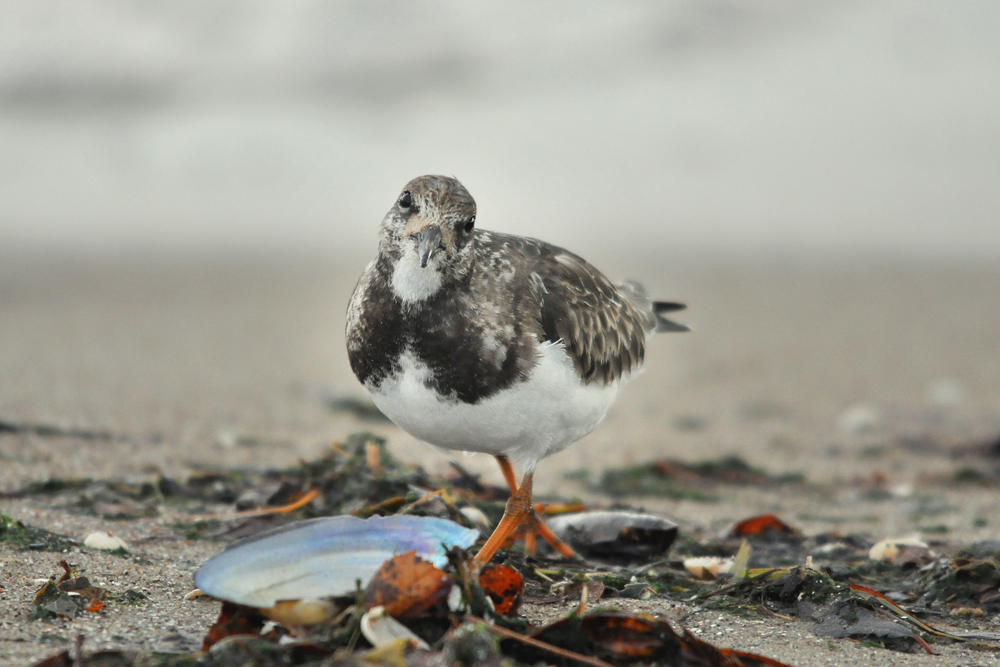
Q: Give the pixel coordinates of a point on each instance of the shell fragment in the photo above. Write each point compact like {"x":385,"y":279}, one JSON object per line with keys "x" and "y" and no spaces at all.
{"x":381,"y":629}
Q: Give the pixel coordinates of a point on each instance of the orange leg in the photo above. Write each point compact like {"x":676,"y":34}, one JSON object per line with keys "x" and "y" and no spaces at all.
{"x":520,"y":511}
{"x":530,"y":535}
{"x":508,"y":473}
{"x":518,"y":507}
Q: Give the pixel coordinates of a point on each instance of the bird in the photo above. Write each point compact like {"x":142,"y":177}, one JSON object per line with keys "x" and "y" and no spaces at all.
{"x":476,"y":340}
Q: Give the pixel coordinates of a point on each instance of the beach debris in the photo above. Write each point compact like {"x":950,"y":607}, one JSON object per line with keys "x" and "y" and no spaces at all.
{"x":472,"y":644}
{"x":620,"y":638}
{"x":67,"y":596}
{"x":882,"y":602}
{"x":970,"y":578}
{"x":847,"y":620}
{"x":727,"y":469}
{"x":18,"y":535}
{"x":615,"y":535}
{"x":707,"y":567}
{"x":839,"y":610}
{"x":323,"y":557}
{"x":104,"y":540}
{"x":471,"y":615}
{"x":683,"y":480}
{"x":303,"y":613}
{"x":637,"y":591}
{"x":407,"y":586}
{"x":505,"y":587}
{"x":763,"y":525}
{"x":891,"y":549}
{"x":381,"y":629}
{"x":233,"y":620}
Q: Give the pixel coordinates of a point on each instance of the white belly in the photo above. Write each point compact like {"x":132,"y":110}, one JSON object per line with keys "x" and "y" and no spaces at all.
{"x":526,"y":421}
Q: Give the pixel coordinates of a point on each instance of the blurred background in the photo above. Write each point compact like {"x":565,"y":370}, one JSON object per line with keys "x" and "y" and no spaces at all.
{"x":189,"y":191}
{"x":718,"y":124}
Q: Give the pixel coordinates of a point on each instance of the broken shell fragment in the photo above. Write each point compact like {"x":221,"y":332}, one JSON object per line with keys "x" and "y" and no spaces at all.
{"x":196,"y":594}
{"x":302,"y":613}
{"x":708,"y":567}
{"x":888,"y":549}
{"x":322,"y":558}
{"x":381,"y":629}
{"x":104,"y":540}
{"x":620,"y":536}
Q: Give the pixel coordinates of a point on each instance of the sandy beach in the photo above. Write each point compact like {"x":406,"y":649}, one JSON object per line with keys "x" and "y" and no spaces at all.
{"x":832,"y":368}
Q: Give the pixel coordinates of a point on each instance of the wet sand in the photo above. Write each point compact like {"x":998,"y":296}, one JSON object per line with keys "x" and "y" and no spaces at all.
{"x":229,"y":361}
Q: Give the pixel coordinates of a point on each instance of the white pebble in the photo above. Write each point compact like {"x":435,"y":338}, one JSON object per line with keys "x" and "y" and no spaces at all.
{"x":104,"y":540}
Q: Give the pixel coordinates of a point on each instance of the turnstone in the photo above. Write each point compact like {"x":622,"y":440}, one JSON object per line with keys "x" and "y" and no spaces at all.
{"x":475,"y":340}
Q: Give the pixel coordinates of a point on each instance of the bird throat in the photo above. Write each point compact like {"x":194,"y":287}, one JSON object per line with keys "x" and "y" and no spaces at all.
{"x":412,"y":283}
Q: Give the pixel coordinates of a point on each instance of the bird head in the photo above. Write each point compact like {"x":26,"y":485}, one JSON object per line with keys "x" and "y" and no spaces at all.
{"x":430,"y":226}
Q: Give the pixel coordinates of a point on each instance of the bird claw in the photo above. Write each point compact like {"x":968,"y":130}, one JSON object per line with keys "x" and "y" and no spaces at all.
{"x":531,"y":528}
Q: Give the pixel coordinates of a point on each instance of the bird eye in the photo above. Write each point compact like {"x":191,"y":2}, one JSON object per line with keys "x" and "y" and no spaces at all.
{"x":406,"y":201}
{"x":469,"y":224}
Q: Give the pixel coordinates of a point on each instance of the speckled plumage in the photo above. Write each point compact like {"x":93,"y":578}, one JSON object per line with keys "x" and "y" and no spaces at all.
{"x":475,"y":319}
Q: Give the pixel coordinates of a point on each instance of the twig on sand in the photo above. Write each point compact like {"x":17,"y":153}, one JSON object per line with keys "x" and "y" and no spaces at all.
{"x":555,"y":650}
{"x":283,"y":509}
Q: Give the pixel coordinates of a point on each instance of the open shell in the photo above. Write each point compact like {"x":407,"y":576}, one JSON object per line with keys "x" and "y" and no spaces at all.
{"x":324,"y":557}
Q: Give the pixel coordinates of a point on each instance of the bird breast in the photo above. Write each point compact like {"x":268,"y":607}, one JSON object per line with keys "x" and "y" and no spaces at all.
{"x":539,"y":415}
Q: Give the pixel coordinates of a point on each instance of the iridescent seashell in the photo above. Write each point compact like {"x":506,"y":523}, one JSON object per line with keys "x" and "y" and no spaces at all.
{"x":323,"y":557}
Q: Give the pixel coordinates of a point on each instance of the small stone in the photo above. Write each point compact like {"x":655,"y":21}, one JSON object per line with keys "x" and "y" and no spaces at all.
{"x":104,"y":540}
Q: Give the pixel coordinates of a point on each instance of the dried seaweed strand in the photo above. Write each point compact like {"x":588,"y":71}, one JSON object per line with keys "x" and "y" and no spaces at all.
{"x":868,"y":594}
{"x":291,"y":507}
{"x":734,"y":585}
{"x":555,"y":650}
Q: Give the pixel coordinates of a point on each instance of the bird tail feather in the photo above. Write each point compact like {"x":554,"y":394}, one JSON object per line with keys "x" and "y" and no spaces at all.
{"x":662,"y":323}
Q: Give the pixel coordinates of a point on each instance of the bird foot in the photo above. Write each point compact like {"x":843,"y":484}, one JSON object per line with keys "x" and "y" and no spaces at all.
{"x":520,"y":519}
{"x":531,"y":529}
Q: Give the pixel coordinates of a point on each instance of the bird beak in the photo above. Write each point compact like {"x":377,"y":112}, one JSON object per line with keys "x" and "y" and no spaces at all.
{"x":428,"y":241}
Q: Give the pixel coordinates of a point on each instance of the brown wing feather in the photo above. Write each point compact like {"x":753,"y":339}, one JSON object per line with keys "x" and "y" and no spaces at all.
{"x":603,"y":331}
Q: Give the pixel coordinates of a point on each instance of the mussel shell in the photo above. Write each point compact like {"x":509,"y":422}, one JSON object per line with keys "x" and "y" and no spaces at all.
{"x":323,"y":557}
{"x":615,"y":535}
